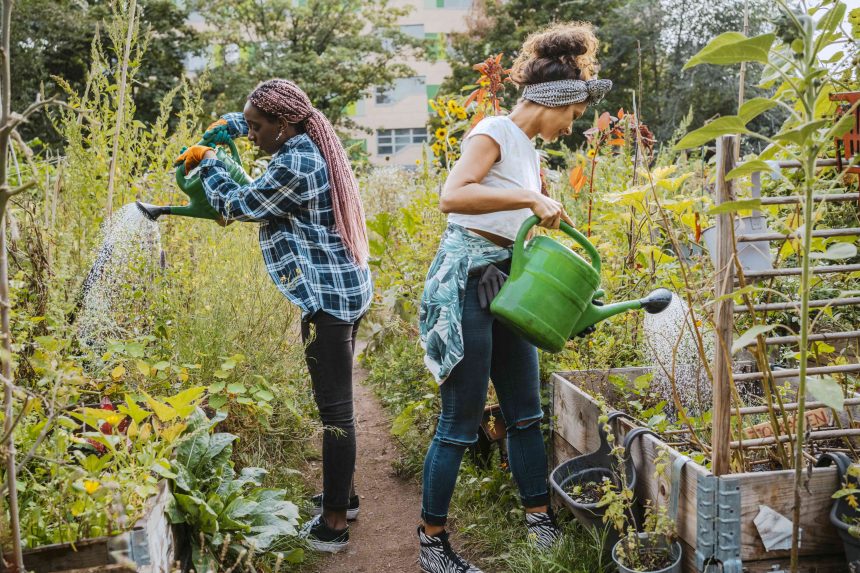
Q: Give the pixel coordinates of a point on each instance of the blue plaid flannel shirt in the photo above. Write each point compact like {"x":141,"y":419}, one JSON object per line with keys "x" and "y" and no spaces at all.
{"x":303,"y":251}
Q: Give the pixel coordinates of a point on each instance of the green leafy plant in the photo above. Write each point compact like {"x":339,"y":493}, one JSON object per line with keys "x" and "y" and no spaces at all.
{"x":221,"y":508}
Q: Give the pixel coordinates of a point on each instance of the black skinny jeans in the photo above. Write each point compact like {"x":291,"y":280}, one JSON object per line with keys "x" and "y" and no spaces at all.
{"x":329,"y":348}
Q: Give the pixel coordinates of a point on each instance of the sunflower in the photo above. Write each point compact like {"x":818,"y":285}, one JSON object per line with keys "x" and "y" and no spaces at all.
{"x":441,"y":134}
{"x":452,"y":106}
{"x":452,"y":141}
{"x":591,"y":153}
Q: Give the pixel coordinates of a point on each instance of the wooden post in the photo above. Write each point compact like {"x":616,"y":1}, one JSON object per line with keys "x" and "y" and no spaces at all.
{"x":723,"y":313}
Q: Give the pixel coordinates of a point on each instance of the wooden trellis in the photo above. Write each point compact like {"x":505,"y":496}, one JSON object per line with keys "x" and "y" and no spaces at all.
{"x":726,"y":282}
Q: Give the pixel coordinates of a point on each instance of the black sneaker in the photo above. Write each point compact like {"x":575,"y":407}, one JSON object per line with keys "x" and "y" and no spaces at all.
{"x":322,"y":537}
{"x":437,"y":556}
{"x":351,"y":511}
{"x":543,"y":531}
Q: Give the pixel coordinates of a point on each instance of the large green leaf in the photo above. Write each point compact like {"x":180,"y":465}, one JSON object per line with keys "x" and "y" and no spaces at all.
{"x":799,"y":135}
{"x":836,"y":252}
{"x":754,"y":108}
{"x":826,"y":389}
{"x":733,"y":48}
{"x":730,"y":124}
{"x":734,"y":206}
{"x":750,"y":335}
{"x":748,"y":168}
{"x":831,"y":20}
{"x":197,"y":512}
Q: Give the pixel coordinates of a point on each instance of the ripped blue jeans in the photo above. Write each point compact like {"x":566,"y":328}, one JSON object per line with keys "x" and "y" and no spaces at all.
{"x":491,"y":351}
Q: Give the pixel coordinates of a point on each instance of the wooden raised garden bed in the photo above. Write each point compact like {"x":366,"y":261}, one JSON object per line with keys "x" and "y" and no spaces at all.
{"x":148,"y":547}
{"x":707,"y":530}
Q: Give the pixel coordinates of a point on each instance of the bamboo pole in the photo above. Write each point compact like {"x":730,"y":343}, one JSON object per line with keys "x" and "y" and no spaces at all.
{"x":723,"y":314}
{"x":811,"y":436}
{"x":823,"y":336}
{"x":749,"y":410}
{"x":120,"y":112}
{"x":6,"y":120}
{"x":791,"y":271}
{"x":792,"y":372}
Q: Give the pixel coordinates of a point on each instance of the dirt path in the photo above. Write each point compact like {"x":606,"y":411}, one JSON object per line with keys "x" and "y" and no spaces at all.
{"x":383,"y":537}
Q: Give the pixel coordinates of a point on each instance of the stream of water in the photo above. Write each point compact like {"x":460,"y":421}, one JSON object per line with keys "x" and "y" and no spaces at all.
{"x":113,"y":297}
{"x":677,"y":365}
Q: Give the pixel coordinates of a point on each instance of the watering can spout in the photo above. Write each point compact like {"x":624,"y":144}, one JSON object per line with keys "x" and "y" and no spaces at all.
{"x":152,"y":212}
{"x":655,"y":302}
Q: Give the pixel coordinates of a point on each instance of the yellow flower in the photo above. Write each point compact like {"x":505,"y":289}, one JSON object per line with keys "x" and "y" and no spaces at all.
{"x":452,"y":141}
{"x":452,"y":106}
{"x":590,"y":154}
{"x":461,"y":113}
{"x":90,"y":486}
{"x":436,"y":148}
{"x":441,"y":133}
{"x":417,"y":162}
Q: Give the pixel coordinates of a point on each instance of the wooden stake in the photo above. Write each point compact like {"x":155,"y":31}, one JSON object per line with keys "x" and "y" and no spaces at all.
{"x":723,"y":315}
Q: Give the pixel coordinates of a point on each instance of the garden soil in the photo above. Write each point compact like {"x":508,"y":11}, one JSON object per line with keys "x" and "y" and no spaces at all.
{"x":383,"y":538}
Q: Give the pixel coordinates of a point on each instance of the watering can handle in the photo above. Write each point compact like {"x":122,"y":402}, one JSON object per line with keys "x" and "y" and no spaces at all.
{"x":180,"y":169}
{"x":518,"y":260}
{"x":233,"y":150}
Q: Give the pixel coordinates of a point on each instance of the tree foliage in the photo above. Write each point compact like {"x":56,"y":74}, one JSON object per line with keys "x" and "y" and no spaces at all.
{"x":644,"y":39}
{"x":53,"y":38}
{"x":336,"y":50}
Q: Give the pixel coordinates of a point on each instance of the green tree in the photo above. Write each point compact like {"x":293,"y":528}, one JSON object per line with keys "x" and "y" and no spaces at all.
{"x":336,"y":50}
{"x":53,"y":38}
{"x":660,"y":35}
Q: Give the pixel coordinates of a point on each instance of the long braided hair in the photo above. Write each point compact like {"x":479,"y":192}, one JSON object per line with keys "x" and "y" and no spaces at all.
{"x":283,"y":98}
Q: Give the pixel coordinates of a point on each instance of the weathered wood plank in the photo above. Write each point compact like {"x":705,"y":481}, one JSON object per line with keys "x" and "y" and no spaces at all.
{"x":776,"y":490}
{"x":575,"y":427}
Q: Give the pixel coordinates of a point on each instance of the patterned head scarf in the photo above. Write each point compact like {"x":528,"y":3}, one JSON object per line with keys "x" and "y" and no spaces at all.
{"x":560,"y":93}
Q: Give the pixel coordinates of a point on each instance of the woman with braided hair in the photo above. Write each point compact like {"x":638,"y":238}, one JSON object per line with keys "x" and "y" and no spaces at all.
{"x":491,"y":190}
{"x":314,"y":243}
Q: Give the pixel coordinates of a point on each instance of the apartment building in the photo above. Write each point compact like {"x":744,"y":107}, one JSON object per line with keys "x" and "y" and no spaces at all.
{"x":397,"y":117}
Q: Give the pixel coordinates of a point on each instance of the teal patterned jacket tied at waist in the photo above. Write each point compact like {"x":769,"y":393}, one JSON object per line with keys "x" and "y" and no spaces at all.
{"x":441,"y":313}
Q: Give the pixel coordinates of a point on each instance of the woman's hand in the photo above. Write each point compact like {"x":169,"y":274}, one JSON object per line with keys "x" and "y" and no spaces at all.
{"x":193,"y":156}
{"x":550,"y":212}
{"x":217,"y":132}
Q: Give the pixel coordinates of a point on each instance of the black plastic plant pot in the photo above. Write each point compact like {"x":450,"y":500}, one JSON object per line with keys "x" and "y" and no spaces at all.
{"x":653,"y":543}
{"x":845,"y":518}
{"x":593,"y":468}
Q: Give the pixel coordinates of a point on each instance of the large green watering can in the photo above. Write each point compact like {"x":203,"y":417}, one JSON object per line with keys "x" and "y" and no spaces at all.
{"x":548,"y":297}
{"x":193,"y":187}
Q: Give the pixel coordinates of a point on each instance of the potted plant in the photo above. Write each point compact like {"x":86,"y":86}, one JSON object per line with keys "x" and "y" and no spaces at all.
{"x":649,"y":545}
{"x":845,"y":515}
{"x":581,"y":482}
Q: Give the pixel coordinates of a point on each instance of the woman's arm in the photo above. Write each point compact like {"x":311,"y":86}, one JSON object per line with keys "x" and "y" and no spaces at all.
{"x":236,"y":125}
{"x":464,"y":193}
{"x":276,"y":193}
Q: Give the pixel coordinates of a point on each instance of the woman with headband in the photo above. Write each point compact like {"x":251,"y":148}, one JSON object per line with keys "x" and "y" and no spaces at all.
{"x":314,"y":243}
{"x":493,"y":188}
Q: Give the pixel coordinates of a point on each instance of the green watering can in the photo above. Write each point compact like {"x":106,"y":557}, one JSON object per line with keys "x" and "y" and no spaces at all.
{"x":548,"y":297}
{"x":193,"y":187}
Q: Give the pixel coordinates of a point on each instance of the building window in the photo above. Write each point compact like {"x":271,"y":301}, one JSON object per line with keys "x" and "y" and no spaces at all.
{"x":455,"y":4}
{"x":413,"y":30}
{"x":402,"y":88}
{"x":391,"y":141}
{"x":384,"y":95}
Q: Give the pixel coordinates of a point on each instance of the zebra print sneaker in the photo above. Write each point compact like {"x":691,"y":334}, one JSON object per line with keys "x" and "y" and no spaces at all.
{"x":437,"y":556}
{"x":543,"y":531}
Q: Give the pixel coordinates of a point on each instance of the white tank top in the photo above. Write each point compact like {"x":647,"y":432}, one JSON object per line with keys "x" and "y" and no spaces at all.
{"x":517,"y":168}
